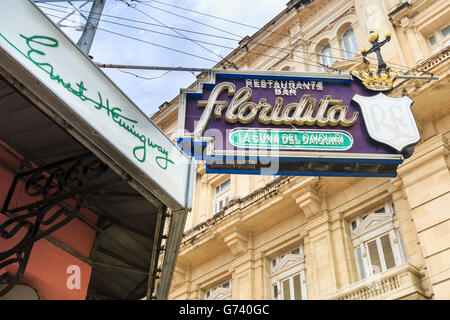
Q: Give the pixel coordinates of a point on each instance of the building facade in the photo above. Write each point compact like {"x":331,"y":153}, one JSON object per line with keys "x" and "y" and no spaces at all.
{"x":269,"y":237}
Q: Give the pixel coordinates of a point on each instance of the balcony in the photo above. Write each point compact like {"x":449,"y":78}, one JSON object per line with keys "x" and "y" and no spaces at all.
{"x":402,"y":282}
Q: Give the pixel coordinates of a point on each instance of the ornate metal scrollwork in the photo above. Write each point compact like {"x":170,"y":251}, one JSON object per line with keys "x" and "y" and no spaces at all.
{"x":57,"y":192}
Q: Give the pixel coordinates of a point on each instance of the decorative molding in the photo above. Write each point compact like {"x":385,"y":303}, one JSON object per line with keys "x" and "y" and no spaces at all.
{"x":287,"y":262}
{"x":397,"y":190}
{"x":374,"y":223}
{"x":220,"y":294}
{"x":237,"y":242}
{"x":309,"y":199}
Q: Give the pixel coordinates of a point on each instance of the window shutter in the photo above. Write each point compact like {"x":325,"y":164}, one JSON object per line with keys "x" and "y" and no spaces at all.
{"x":374,"y":257}
{"x":286,"y":290}
{"x":359,"y":260}
{"x":297,"y":289}
{"x":387,"y":251}
{"x":402,"y":245}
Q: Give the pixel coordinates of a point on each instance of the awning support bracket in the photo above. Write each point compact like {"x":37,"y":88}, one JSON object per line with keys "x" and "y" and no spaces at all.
{"x":49,"y":187}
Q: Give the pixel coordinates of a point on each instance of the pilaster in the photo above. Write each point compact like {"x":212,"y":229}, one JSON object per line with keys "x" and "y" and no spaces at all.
{"x":319,"y":249}
{"x":426,"y":182}
{"x":414,"y":43}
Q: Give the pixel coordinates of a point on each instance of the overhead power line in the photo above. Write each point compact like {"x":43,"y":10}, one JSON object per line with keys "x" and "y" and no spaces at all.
{"x":139,"y":67}
{"x":184,"y":37}
{"x":152,"y":31}
{"x":250,"y":26}
{"x":177,"y":32}
{"x":144,"y":78}
{"x":157,"y":45}
{"x":312,"y":63}
{"x":285,"y":50}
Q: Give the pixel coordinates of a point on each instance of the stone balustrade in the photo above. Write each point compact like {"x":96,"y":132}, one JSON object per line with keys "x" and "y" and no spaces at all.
{"x":401,"y":282}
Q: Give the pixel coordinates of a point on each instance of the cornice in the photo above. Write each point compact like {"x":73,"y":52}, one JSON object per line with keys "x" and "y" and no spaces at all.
{"x":437,"y":146}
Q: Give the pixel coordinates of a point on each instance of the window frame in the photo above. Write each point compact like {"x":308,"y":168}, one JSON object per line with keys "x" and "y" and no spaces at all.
{"x":325,"y":56}
{"x":289,"y":272}
{"x":439,"y":38}
{"x":350,"y":38}
{"x":221,"y":194}
{"x":361,"y":239}
{"x":210,"y":292}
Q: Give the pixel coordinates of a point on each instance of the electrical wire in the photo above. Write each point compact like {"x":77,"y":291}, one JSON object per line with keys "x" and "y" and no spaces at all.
{"x":254,"y":27}
{"x":177,"y":32}
{"x":157,"y":45}
{"x":227,"y":38}
{"x":152,"y":31}
{"x":285,"y":50}
{"x":166,"y":34}
{"x":137,"y":21}
{"x":144,"y":78}
{"x":314,"y":64}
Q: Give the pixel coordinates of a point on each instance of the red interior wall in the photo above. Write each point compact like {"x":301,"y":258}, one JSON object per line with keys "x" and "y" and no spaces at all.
{"x":47,"y":267}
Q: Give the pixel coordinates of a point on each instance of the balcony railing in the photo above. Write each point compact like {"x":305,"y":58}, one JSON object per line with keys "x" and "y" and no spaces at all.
{"x":402,"y":282}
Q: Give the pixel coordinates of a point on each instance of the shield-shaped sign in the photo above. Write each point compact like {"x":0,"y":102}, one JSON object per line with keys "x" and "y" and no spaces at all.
{"x":389,"y":120}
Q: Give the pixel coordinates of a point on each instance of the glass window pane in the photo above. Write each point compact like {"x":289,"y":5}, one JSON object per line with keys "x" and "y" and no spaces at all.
{"x":350,"y":45}
{"x":275,"y":292}
{"x":393,"y":208}
{"x":446,"y":31}
{"x":297,"y":290}
{"x":225,"y":185}
{"x":355,"y":44}
{"x":217,"y":189}
{"x":326,"y":56}
{"x":374,"y":257}
{"x":296,"y":251}
{"x":432,"y":40}
{"x":387,"y":250}
{"x":274,"y":263}
{"x":359,"y":259}
{"x":353,"y":225}
{"x":381,"y":210}
{"x":286,"y":290}
{"x":402,"y":245}
{"x":347,"y":48}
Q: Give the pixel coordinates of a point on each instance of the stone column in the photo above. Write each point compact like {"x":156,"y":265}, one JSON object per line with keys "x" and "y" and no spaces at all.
{"x":408,"y":228}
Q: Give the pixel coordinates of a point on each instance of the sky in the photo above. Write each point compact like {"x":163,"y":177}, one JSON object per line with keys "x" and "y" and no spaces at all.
{"x":111,"y":48}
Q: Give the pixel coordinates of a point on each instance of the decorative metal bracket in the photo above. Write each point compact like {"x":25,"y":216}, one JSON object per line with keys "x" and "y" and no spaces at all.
{"x":56,"y":191}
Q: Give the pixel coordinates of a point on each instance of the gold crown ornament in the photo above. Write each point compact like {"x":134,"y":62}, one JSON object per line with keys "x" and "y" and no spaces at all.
{"x":374,"y":79}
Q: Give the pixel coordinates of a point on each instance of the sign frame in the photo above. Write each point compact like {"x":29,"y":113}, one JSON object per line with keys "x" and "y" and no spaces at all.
{"x":202,"y":148}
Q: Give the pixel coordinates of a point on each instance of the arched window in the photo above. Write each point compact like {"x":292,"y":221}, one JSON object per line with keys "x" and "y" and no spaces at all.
{"x":326,"y":57}
{"x":350,"y":45}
